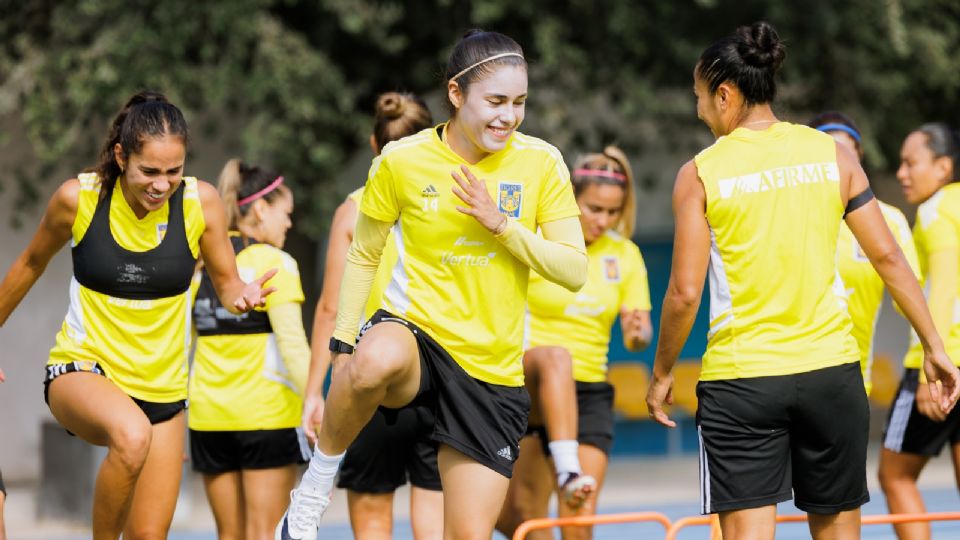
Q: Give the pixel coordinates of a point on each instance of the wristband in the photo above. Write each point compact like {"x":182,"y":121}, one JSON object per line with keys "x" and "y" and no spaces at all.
{"x":338,"y":346}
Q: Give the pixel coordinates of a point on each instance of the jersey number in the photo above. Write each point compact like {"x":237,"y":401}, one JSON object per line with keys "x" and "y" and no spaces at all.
{"x":431,"y":203}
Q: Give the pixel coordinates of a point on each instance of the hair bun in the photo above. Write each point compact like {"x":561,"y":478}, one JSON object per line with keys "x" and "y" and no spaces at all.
{"x":390,"y":105}
{"x":760,"y":46}
{"x":146,"y":96}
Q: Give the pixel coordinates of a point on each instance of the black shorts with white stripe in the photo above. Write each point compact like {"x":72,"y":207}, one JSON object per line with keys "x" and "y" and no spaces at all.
{"x":908,"y":431}
{"x":763,"y":437}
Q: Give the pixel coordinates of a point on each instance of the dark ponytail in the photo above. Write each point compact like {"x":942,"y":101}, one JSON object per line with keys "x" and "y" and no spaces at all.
{"x":146,"y":114}
{"x":749,"y":59}
{"x":943,"y":141}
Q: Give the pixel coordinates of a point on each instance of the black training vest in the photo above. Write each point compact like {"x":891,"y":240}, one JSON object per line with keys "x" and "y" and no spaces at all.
{"x":102,"y":265}
{"x":212,"y":319}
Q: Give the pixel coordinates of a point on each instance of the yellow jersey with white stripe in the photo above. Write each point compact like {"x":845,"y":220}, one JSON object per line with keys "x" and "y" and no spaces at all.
{"x":388,"y":259}
{"x":864,"y":287}
{"x":581,"y":321}
{"x":774,"y":210}
{"x":937,"y":228}
{"x":141,"y":344}
{"x":452,"y":277}
{"x":239,"y":382}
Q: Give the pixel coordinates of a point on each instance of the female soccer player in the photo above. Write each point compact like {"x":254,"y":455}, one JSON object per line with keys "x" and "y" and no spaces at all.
{"x":464,"y":200}
{"x":863,"y":285}
{"x":136,"y":227}
{"x":249,"y":372}
{"x":565,"y":325}
{"x":389,"y":448}
{"x":917,"y":429}
{"x":761,"y":208}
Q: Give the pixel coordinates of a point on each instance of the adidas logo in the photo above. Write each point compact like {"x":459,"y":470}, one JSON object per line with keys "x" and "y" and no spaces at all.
{"x":505,"y":453}
{"x":430,"y":191}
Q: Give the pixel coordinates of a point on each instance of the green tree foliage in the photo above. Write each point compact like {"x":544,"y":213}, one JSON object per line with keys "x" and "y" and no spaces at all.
{"x":302,"y":76}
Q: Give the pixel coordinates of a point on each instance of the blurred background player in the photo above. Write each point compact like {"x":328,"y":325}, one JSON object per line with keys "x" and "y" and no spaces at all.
{"x":917,"y":429}
{"x":864,"y":287}
{"x":394,"y":444}
{"x":574,"y":328}
{"x":249,"y":371}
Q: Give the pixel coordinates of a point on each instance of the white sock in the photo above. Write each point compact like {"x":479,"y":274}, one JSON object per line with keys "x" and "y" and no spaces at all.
{"x":321,"y":472}
{"x":566,"y":458}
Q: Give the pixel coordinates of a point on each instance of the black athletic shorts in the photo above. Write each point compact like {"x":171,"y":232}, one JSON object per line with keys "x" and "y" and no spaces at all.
{"x":594,"y":417}
{"x":761,"y":437}
{"x":910,"y":432}
{"x":3,"y":487}
{"x":481,"y":420}
{"x":393,"y":446}
{"x":156,"y":412}
{"x":215,"y":452}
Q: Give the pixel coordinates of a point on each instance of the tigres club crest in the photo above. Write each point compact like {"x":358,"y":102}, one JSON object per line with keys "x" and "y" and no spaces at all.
{"x":611,"y":269}
{"x":511,"y":199}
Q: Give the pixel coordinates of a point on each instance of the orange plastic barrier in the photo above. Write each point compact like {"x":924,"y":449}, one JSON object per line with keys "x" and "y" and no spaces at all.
{"x":879,"y":519}
{"x":598,"y":519}
{"x":910,"y":518}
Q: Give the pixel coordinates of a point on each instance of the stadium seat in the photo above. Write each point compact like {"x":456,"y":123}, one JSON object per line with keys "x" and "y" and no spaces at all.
{"x":686,"y":373}
{"x":886,"y":379}
{"x":629,"y":380}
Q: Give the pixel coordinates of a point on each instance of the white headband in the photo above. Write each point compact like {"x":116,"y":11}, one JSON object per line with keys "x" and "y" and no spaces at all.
{"x":484,"y":61}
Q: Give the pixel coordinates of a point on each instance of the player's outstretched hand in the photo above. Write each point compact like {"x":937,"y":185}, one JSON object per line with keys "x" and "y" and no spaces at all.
{"x":255,"y":294}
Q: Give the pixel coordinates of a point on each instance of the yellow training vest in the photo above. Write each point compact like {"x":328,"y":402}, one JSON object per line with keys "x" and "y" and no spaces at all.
{"x":774,"y":211}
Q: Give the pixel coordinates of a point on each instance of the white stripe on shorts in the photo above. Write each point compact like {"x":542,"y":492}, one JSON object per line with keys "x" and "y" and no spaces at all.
{"x":704,"y":476}
{"x":898,"y":420}
{"x":305,"y":451}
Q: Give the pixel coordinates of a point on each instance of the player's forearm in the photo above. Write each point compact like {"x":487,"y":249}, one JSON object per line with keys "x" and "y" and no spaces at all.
{"x":558,"y":256}
{"x":679,"y":312}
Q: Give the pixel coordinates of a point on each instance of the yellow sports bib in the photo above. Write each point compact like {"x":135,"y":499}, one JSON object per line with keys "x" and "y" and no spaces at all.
{"x":141,"y":344}
{"x":240,"y":382}
{"x":774,"y":211}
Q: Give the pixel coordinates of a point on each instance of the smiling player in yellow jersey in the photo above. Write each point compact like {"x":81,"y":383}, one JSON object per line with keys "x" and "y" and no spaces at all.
{"x":760,"y":211}
{"x":393,"y":447}
{"x":917,"y":429}
{"x":117,"y":375}
{"x":571,"y":418}
{"x":864,"y":287}
{"x":451,"y":327}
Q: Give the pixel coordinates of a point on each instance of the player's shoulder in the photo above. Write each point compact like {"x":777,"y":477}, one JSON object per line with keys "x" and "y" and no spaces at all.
{"x":527,"y":143}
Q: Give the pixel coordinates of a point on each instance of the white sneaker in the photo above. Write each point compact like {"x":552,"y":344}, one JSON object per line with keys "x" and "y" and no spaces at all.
{"x":301,"y":521}
{"x":577,"y":488}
